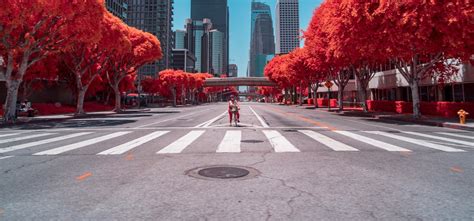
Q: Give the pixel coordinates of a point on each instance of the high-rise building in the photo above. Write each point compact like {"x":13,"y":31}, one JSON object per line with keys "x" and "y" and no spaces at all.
{"x":179,"y":39}
{"x":218,"y":12}
{"x":196,"y":41}
{"x":262,"y":43}
{"x":117,"y":8}
{"x":287,"y":26}
{"x":183,"y":60}
{"x":216,"y":53}
{"x":155,"y":17}
{"x":233,"y":70}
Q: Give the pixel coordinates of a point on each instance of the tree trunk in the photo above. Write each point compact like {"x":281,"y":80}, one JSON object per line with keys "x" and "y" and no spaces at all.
{"x":80,"y":102}
{"x":340,"y":95}
{"x":10,"y":101}
{"x":301,"y":96}
{"x":416,"y":99}
{"x":118,"y":105}
{"x":315,"y":92}
{"x":362,"y":91}
{"x":173,"y":92}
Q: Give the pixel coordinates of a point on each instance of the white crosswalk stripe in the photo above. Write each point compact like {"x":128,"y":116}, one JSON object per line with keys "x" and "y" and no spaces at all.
{"x":278,"y":142}
{"x":10,"y":140}
{"x":8,"y":135}
{"x":74,"y":146}
{"x":132,"y":144}
{"x":416,"y":141}
{"x":373,"y":142}
{"x":469,"y":144}
{"x":179,"y":145}
{"x":42,"y":142}
{"x":231,"y":142}
{"x":457,"y":135}
{"x":327,"y":141}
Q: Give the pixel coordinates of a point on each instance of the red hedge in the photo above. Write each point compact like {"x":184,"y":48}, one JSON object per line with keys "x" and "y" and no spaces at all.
{"x":440,"y":109}
{"x":322,"y":102}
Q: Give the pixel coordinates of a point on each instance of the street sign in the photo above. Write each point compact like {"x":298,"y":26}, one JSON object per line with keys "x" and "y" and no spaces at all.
{"x":328,"y":84}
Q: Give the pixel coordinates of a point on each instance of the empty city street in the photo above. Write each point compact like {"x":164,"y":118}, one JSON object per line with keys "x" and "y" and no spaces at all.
{"x":304,"y":164}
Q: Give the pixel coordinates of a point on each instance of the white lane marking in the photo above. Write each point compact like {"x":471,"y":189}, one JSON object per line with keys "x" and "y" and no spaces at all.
{"x":8,"y":135}
{"x":416,"y":141}
{"x":372,"y":142}
{"x":231,"y":142}
{"x":179,"y":145}
{"x":41,"y":142}
{"x":209,"y":122}
{"x":174,"y":118}
{"x":278,"y":142}
{"x":2,"y":158}
{"x":259,"y":118}
{"x":469,"y":144}
{"x":132,"y":144}
{"x":24,"y":138}
{"x":74,"y":146}
{"x":201,"y":124}
{"x":329,"y":142}
{"x":457,"y":135}
{"x":109,"y":119}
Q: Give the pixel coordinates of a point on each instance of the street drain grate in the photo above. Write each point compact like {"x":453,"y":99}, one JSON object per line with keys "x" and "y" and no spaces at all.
{"x":252,"y":141}
{"x":223,"y":172}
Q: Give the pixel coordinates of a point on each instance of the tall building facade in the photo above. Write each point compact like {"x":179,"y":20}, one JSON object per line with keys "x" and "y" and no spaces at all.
{"x":216,"y":52}
{"x":118,"y":8}
{"x":233,"y":70}
{"x":179,"y":39}
{"x":218,"y":12}
{"x":155,"y":17}
{"x":197,"y":41}
{"x":262,"y":41}
{"x":287,"y":26}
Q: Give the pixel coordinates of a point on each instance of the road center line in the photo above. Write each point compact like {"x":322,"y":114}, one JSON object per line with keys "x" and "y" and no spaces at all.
{"x":207,"y":123}
{"x":264,"y":124}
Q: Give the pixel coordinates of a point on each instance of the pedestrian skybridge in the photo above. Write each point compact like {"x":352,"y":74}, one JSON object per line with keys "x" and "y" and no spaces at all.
{"x":238,"y":81}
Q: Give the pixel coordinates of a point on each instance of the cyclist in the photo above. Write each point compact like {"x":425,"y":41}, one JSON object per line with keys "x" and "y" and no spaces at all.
{"x":233,"y":107}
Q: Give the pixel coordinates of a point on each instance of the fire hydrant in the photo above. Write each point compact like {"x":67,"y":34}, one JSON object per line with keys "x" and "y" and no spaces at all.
{"x":462,"y":116}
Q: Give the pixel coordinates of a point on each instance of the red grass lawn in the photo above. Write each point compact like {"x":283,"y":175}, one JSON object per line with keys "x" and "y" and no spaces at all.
{"x":54,"y":109}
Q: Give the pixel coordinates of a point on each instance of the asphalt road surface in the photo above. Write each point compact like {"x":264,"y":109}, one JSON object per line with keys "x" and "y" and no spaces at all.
{"x":304,"y":164}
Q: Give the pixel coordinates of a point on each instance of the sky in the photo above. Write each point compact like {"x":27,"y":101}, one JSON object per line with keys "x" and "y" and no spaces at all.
{"x":239,"y":11}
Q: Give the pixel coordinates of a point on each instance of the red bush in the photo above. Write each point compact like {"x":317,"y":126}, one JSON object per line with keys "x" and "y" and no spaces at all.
{"x":324,"y":102}
{"x":440,"y":109}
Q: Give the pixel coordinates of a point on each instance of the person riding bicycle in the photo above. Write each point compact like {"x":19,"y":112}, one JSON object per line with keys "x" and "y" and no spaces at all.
{"x":234,"y":107}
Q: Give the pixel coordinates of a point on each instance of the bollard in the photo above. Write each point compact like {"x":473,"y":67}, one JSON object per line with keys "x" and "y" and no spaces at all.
{"x":462,"y":116}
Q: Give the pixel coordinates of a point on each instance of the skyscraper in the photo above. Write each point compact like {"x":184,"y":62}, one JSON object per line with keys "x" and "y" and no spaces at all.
{"x":197,"y":42}
{"x":287,"y":26}
{"x":117,"y":8}
{"x":233,"y":70}
{"x":155,"y":17}
{"x":216,"y":52}
{"x":179,"y":39}
{"x":262,"y":42}
{"x":218,"y":12}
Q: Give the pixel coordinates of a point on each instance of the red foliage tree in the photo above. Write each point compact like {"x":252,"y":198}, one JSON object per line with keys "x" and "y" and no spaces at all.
{"x":144,"y":48}
{"x":418,"y":35}
{"x":32,"y":30}
{"x":88,"y":58}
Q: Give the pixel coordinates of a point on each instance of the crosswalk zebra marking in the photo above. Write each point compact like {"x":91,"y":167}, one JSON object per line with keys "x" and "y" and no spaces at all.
{"x":132,"y":144}
{"x":457,"y":135}
{"x":179,"y":145}
{"x":372,"y":142}
{"x":416,"y":141}
{"x":8,"y":135}
{"x":469,"y":144}
{"x":231,"y":142}
{"x":327,"y":141}
{"x":279,"y":143}
{"x":42,"y":142}
{"x":74,"y":146}
{"x":24,"y":138}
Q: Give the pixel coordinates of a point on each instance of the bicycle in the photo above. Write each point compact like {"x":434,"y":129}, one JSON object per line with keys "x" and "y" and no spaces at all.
{"x":234,"y":116}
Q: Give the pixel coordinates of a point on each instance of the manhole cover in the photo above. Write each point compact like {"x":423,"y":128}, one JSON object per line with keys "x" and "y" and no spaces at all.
{"x":223,"y":172}
{"x":252,"y":141}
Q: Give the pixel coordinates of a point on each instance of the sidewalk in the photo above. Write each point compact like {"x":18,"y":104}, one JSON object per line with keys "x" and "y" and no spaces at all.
{"x":408,"y":118}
